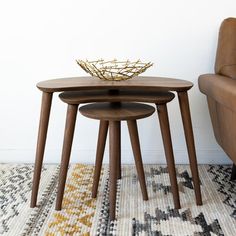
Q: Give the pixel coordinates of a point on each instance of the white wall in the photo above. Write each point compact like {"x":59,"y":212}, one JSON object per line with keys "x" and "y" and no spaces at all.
{"x":40,"y":40}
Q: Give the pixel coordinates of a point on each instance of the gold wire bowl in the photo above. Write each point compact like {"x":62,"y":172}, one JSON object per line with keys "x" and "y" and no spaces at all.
{"x":114,"y":70}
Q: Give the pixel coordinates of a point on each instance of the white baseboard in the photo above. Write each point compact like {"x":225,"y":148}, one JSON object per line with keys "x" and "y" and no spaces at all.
{"x":88,"y":156}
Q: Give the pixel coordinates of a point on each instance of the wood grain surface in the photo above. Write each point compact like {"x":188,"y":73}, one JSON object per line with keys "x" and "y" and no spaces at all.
{"x":88,"y":96}
{"x":116,"y":111}
{"x":88,"y":82}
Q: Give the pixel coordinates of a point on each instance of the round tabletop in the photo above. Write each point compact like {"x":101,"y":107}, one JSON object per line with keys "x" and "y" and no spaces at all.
{"x":90,"y":83}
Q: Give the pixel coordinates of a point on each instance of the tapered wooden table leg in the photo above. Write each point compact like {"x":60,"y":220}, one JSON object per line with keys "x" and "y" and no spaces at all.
{"x":114,"y":137}
{"x":42,"y":135}
{"x":119,"y":176}
{"x":166,"y":136}
{"x":188,"y":131}
{"x":133,"y":132}
{"x":119,"y":156}
{"x":66,"y":150}
{"x":102,"y":135}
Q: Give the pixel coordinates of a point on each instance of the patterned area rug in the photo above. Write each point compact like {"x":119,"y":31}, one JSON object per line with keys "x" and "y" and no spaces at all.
{"x":82,"y":215}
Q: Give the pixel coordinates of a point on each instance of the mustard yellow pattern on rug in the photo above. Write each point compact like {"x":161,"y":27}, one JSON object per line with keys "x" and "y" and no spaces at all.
{"x":78,"y":207}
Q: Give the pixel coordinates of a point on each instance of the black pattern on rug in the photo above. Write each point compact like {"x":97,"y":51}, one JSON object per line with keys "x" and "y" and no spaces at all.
{"x":106,"y":227}
{"x":152,"y":224}
{"x":221,"y":176}
{"x":17,"y":182}
{"x":137,"y":217}
{"x":40,"y":213}
{"x":184,"y":180}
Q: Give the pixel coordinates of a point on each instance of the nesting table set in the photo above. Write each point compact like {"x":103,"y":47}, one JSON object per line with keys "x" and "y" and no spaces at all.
{"x":112,"y":102}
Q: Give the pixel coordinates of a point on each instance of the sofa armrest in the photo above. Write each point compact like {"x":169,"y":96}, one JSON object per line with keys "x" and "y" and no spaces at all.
{"x":220,"y":88}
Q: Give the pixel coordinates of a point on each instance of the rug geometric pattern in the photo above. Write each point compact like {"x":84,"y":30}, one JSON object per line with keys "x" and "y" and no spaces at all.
{"x":82,"y":215}
{"x":224,"y":185}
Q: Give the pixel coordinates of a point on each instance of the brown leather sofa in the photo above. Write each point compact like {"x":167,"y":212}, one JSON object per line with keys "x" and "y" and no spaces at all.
{"x":220,"y":89}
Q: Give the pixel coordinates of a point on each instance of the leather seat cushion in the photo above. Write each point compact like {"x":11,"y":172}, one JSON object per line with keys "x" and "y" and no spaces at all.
{"x":220,"y":88}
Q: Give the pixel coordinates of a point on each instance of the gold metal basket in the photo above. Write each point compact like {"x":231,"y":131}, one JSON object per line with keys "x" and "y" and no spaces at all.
{"x":114,"y":70}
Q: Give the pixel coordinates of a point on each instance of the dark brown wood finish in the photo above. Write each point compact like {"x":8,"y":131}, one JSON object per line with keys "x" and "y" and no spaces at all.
{"x":42,"y":134}
{"x":116,"y":111}
{"x":140,"y":84}
{"x":114,"y":132}
{"x":119,"y":157}
{"x":133,"y":132}
{"x":66,"y":150}
{"x":126,"y":95}
{"x":102,"y":135}
{"x":166,"y":137}
{"x":89,"y":83}
{"x":188,"y":131}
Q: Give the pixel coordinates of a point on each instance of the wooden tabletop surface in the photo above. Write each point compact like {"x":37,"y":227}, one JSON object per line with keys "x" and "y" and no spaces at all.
{"x":140,"y":82}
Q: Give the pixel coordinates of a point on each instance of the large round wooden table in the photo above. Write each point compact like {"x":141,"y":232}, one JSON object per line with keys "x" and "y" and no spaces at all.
{"x":138,"y":85}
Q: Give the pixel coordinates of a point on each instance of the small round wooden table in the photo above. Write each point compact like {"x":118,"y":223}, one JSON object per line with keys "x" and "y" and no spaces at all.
{"x":142,"y":84}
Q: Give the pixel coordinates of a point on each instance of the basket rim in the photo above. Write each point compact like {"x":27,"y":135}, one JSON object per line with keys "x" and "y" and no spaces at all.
{"x":114,"y":69}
